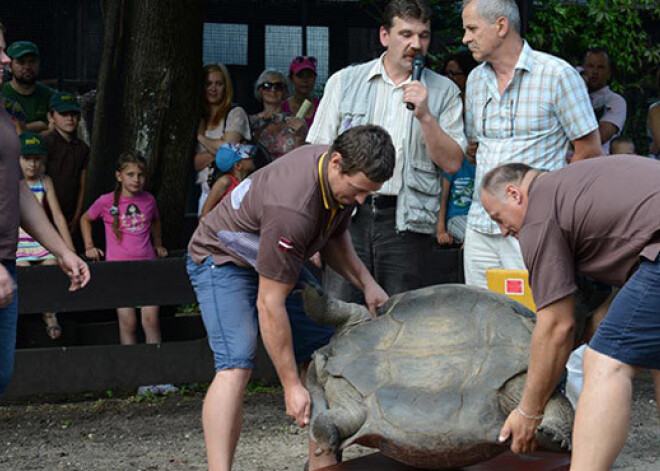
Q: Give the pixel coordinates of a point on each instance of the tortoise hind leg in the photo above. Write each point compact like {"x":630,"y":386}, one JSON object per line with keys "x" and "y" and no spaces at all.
{"x":554,"y":432}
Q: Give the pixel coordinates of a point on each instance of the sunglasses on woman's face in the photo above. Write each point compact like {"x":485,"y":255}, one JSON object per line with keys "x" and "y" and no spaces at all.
{"x":277,"y":86}
{"x":301,"y":59}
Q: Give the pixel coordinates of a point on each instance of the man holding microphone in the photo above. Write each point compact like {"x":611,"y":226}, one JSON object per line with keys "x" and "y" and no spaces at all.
{"x":392,"y":231}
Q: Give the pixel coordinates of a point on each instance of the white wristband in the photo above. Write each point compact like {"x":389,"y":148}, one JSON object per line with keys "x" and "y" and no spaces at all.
{"x":528,"y":416}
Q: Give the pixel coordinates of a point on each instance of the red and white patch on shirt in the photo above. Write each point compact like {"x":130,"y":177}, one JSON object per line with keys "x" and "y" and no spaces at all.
{"x":514,"y":286}
{"x":285,"y":244}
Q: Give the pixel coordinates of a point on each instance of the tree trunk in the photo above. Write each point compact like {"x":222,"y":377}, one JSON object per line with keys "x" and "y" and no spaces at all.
{"x":148,"y":100}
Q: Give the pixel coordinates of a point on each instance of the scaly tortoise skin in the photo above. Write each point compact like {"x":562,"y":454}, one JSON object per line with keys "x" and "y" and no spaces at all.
{"x":430,"y":381}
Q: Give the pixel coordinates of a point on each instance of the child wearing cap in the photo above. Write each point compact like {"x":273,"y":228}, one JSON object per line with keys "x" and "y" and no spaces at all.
{"x":302,"y":74}
{"x":235,"y":162}
{"x":29,"y":251}
{"x":68,"y":156}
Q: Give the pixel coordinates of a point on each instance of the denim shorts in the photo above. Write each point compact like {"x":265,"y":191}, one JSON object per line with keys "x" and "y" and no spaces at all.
{"x":630,"y":332}
{"x":227,"y":296}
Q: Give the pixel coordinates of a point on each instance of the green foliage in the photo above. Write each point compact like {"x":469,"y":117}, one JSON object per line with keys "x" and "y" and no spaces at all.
{"x":261,"y":386}
{"x":192,"y":308}
{"x":192,"y":389}
{"x":569,"y":30}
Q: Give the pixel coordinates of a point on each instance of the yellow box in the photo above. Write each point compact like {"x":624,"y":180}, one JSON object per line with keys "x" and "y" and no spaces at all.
{"x":511,"y":283}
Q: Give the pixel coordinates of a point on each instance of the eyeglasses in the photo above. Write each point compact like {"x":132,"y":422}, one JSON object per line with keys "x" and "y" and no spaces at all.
{"x":277,"y":86}
{"x":301,"y":59}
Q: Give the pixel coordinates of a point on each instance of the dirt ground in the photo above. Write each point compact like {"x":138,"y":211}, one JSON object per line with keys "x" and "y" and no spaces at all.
{"x":165,"y":434}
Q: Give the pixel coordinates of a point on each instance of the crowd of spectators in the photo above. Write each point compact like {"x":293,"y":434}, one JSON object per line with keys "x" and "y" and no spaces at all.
{"x":497,"y":102}
{"x":228,"y":136}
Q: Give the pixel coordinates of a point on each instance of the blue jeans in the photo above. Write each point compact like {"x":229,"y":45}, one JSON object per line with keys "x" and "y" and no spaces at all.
{"x":8,"y":321}
{"x":396,"y":260}
{"x":227,"y":296}
{"x":630,"y":331}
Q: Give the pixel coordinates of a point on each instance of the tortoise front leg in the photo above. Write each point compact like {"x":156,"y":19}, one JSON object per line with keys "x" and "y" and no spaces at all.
{"x":342,"y":419}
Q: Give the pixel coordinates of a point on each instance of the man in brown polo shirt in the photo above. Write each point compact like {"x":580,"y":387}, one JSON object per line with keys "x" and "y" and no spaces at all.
{"x":247,"y":255}
{"x":599,"y":218}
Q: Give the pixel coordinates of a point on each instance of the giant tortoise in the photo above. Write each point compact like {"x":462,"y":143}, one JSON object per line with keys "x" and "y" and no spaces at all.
{"x":430,"y":381}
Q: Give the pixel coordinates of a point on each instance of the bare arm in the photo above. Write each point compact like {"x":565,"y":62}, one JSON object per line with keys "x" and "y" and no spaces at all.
{"x":91,"y":251}
{"x":552,"y":342}
{"x":441,"y":234}
{"x":37,"y":126}
{"x":79,"y":205}
{"x":444,"y":151}
{"x":218,"y":189}
{"x":442,"y":148}
{"x":339,"y":253}
{"x":654,"y":128}
{"x":156,"y":238}
{"x":58,"y":217}
{"x":606,"y":130}
{"x":278,"y":340}
{"x":212,"y":145}
{"x":202,"y":160}
{"x":587,"y":146}
{"x":36,"y":223}
{"x":299,"y":129}
{"x":7,"y":287}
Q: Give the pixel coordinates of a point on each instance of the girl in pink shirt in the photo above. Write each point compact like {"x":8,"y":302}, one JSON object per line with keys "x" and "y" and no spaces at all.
{"x":131,"y":221}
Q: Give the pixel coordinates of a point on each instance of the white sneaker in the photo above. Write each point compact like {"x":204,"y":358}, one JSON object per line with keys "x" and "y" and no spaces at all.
{"x":166,"y":389}
{"x":144,"y":390}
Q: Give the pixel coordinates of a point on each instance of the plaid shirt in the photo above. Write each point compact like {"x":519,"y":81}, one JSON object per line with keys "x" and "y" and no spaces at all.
{"x":544,"y":107}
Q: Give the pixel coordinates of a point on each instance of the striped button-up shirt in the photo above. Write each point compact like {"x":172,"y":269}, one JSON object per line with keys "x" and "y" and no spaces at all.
{"x":544,"y":107}
{"x":390,"y":113}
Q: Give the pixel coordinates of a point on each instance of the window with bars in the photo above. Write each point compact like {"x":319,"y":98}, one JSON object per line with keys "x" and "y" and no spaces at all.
{"x":283,"y":43}
{"x":226,"y":43}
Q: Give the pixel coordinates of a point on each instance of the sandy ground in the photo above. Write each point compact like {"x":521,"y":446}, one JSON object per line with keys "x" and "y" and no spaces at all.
{"x":165,"y":434}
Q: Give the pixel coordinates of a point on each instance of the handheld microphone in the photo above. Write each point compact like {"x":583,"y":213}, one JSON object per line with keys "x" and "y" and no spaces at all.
{"x":417,"y":68}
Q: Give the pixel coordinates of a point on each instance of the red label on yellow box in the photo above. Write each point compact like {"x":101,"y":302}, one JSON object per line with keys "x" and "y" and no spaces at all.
{"x":512,"y":283}
{"x":514,"y":286}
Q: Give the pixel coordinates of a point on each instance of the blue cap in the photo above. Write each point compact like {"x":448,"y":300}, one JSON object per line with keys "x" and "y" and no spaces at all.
{"x":229,"y":154}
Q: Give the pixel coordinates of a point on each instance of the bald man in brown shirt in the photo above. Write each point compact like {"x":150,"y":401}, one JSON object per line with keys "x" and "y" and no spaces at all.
{"x":599,"y":218}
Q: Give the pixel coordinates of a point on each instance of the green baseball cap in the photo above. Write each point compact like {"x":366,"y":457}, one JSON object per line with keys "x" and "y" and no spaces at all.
{"x":63,"y":101}
{"x":22,"y":48}
{"x":32,"y":144}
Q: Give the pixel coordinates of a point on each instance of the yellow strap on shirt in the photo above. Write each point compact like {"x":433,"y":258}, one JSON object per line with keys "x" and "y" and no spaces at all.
{"x":326,"y":203}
